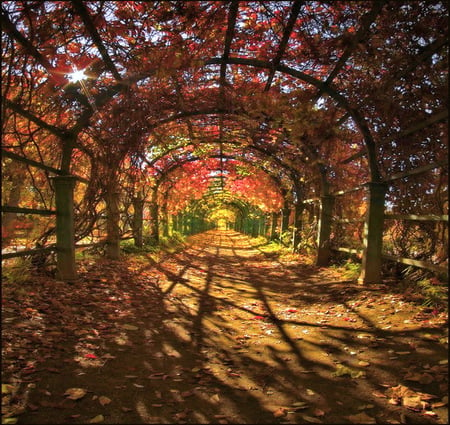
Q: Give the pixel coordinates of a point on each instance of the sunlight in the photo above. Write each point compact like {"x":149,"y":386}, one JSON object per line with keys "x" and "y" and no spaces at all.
{"x":77,"y":75}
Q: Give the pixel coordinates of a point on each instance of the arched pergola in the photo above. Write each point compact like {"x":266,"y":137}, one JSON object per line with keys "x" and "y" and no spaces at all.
{"x":340,"y":105}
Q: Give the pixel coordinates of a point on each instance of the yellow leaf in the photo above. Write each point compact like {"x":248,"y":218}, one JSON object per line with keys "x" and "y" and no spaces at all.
{"x":129,"y":327}
{"x":9,"y":421}
{"x":97,"y":419}
{"x":215,"y":398}
{"x":75,"y":393}
{"x":7,"y":389}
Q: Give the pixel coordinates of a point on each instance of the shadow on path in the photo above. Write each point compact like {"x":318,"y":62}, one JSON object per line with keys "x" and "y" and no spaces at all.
{"x":218,"y":333}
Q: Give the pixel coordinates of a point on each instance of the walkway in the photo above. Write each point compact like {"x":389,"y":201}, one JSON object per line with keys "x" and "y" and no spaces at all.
{"x":221,"y":333}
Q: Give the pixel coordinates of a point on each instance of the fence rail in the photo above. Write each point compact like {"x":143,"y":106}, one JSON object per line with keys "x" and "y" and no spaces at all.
{"x":26,"y":252}
{"x":417,"y":263}
{"x":8,"y":209}
{"x":414,"y":217}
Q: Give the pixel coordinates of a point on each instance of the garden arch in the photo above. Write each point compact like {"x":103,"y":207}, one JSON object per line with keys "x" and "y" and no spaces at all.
{"x":373,"y":76}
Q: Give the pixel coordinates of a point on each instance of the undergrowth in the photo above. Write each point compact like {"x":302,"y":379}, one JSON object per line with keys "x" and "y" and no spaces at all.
{"x":17,"y":270}
{"x":349,"y":269}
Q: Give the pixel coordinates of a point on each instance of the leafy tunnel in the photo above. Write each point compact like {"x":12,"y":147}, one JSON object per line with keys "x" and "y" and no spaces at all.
{"x":323,"y":121}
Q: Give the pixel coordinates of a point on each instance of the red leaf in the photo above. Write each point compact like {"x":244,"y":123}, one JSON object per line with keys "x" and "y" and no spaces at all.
{"x":90,"y":356}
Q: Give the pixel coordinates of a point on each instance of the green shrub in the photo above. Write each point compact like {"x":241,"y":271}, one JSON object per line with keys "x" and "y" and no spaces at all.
{"x":435,"y":294}
{"x":128,"y":247}
{"x":350,"y":269}
{"x":18,"y":271}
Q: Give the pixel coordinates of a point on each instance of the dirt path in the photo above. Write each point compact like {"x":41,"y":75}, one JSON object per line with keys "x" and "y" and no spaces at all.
{"x":219,"y":333}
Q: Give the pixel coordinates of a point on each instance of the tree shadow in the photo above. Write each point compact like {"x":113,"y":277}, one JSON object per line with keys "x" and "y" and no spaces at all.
{"x":204,"y":337}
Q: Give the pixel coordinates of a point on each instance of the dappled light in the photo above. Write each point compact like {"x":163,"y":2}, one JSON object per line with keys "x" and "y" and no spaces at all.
{"x":218,"y":331}
{"x":224,"y":212}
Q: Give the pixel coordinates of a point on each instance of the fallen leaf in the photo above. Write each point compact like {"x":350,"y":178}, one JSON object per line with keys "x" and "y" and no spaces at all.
{"x":413,"y":402}
{"x":311,"y":419}
{"x":7,"y":388}
{"x":97,"y":419}
{"x":75,"y":393}
{"x":318,"y":412}
{"x":300,"y":405}
{"x":9,"y":420}
{"x":129,"y":327}
{"x":342,"y":370}
{"x":187,"y":394}
{"x":215,"y":398}
{"x":279,"y":413}
{"x":90,"y":356}
{"x":426,"y":378}
{"x":103,"y":400}
{"x":361,"y":418}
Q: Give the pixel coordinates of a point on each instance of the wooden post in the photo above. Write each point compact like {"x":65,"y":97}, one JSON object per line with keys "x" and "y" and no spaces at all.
{"x":154,"y":215}
{"x":273,"y":224}
{"x":373,"y":235}
{"x":298,"y":226}
{"x":65,"y":234}
{"x":138,"y":218}
{"x":324,"y":230}
{"x":112,"y":225}
{"x":285,"y":219}
{"x":164,"y":219}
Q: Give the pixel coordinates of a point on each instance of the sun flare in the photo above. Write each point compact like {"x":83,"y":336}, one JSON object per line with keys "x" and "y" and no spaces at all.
{"x":77,"y":75}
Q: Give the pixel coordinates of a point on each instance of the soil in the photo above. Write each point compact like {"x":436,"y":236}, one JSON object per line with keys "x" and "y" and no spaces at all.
{"x":219,"y":332}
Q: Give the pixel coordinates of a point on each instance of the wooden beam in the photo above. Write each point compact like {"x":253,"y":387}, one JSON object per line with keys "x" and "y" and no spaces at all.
{"x":349,"y":250}
{"x":361,"y":34}
{"x":416,"y":217}
{"x":36,"y":164}
{"x":11,"y":29}
{"x":439,"y":116}
{"x":347,"y":220}
{"x":83,"y":12}
{"x":283,"y":43}
{"x":27,"y":252}
{"x":8,"y":209}
{"x":418,"y":170}
{"x":427,"y":51}
{"x":354,"y":189}
{"x":38,"y":121}
{"x":232,"y":15}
